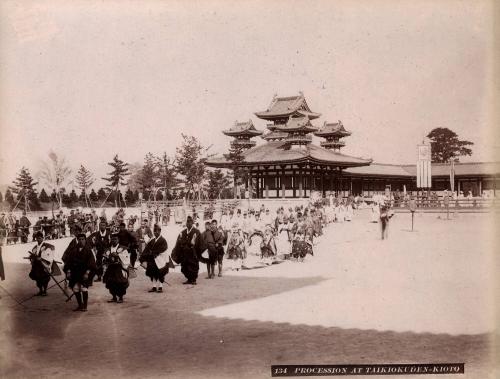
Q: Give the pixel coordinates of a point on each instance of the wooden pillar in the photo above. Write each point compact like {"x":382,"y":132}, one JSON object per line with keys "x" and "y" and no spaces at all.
{"x":331,"y":180}
{"x":323,"y":182}
{"x":235,"y":190}
{"x":283,"y":187}
{"x":301,"y":184}
{"x":257,"y":185}
{"x":294,"y":184}
{"x":480,"y":186}
{"x":250,"y":185}
{"x":341,"y":184}
{"x":265,"y":186}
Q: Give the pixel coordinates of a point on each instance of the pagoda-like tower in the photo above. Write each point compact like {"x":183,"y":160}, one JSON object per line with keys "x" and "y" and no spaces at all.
{"x":281,"y":110}
{"x":298,"y":129}
{"x":332,"y":132}
{"x":242,"y":132}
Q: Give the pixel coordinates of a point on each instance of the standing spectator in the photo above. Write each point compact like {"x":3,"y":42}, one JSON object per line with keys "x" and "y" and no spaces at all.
{"x":24,"y":229}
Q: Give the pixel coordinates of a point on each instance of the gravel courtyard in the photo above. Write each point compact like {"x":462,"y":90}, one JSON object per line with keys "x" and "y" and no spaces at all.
{"x":425,"y":296}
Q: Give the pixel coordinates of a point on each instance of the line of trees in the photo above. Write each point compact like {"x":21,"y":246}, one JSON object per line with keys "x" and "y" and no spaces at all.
{"x":159,"y":177}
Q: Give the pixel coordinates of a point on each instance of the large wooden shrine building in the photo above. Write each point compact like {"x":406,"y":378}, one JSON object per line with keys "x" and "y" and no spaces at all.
{"x":289,"y":164}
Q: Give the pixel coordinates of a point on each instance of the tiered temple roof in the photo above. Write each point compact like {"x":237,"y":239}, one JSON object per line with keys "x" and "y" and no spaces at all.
{"x":281,"y":108}
{"x":298,"y":128}
{"x":291,"y":117}
{"x":275,"y":136}
{"x":276,"y":153}
{"x":332,"y":132}
{"x":242,"y":132}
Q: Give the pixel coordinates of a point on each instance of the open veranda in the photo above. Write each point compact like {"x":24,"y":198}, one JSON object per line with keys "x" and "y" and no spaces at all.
{"x":421,"y":296}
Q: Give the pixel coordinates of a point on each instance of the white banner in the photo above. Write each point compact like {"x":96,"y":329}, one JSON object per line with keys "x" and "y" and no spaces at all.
{"x":424,"y":174}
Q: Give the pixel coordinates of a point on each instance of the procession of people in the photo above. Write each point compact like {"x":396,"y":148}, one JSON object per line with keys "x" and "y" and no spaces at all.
{"x":238,"y":238}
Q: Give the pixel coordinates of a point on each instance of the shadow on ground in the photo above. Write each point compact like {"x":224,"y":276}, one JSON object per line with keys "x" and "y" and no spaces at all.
{"x":161,"y":335}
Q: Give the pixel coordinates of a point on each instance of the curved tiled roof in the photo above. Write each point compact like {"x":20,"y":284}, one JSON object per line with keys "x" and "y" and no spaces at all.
{"x":285,"y":106}
{"x":379,"y":169}
{"x":275,"y":135}
{"x":332,"y":129}
{"x":242,"y":128}
{"x":296,"y":124}
{"x":277,"y":152}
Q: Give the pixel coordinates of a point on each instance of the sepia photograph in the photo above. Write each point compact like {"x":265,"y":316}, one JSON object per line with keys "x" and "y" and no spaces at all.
{"x":249,"y":189}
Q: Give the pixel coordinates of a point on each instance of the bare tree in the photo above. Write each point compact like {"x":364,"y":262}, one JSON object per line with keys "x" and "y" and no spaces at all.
{"x":55,"y":174}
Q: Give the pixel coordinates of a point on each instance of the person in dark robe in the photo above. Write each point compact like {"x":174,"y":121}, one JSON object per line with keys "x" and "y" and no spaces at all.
{"x":155,"y":260}
{"x":80,"y":266}
{"x":41,"y":257}
{"x":71,"y":245}
{"x":116,"y":275}
{"x":24,"y":224}
{"x":214,"y":243}
{"x":187,"y":248}
{"x":385,"y":216}
{"x":134,"y":244}
{"x":100,"y":243}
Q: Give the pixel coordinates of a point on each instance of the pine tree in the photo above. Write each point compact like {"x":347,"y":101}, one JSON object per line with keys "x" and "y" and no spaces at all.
{"x":129,"y":197}
{"x":24,"y":188}
{"x":217,"y":182}
{"x":236,"y":157}
{"x":82,"y":198}
{"x":9,"y":197}
{"x":190,"y":163}
{"x":165,"y":172}
{"x":93,"y":196}
{"x":117,"y":177}
{"x":101,"y":194}
{"x":43,"y":197}
{"x":73,"y":197}
{"x":84,"y":179}
{"x":66,"y":200}
{"x":148,"y":175}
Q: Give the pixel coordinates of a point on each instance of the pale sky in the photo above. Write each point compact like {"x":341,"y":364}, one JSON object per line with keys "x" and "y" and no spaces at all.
{"x":95,"y":78}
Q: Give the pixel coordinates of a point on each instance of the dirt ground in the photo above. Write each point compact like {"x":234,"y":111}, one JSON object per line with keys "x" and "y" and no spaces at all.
{"x":419,"y":297}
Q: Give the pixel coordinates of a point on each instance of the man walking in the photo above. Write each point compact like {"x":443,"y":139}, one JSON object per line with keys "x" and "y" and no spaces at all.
{"x":79,"y":266}
{"x":187,"y":248}
{"x":155,"y":259}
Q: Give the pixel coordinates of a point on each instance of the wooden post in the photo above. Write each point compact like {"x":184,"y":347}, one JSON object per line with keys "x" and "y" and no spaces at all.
{"x":283,"y":182}
{"x":322,"y":182}
{"x":331,"y":180}
{"x":293,"y":183}
{"x":300,"y":182}
{"x":250,"y":185}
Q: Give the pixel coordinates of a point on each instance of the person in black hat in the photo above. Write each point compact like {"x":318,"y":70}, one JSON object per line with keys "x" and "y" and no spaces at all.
{"x":101,"y":240}
{"x":155,"y":259}
{"x":80,"y":266}
{"x":41,"y":257}
{"x":188,"y":249}
{"x":116,"y":275}
{"x":24,"y":224}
